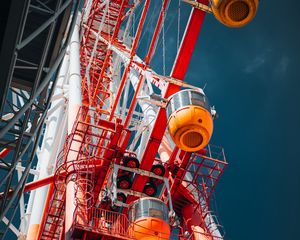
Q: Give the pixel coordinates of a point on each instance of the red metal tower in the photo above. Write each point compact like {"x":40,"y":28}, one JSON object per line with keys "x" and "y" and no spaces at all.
{"x":99,"y":140}
{"x":136,"y":162}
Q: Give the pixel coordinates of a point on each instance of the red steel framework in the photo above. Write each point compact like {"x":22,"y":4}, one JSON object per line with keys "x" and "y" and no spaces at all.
{"x":99,"y":138}
{"x":94,"y":145}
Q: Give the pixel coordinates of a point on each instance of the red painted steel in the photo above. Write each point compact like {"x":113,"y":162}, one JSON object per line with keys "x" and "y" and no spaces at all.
{"x":46,"y":207}
{"x":179,"y":70}
{"x":116,"y":27}
{"x":103,"y":142}
{"x":103,"y":222}
{"x":147,"y":59}
{"x":96,"y":89}
{"x":34,"y":185}
{"x":98,"y":142}
{"x":39,"y":183}
{"x":125,"y":74}
{"x":4,"y":152}
{"x":156,"y":32}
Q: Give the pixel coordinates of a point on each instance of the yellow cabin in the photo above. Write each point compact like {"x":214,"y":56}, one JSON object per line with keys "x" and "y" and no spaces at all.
{"x":190,"y":122}
{"x":234,"y":13}
{"x":149,"y":218}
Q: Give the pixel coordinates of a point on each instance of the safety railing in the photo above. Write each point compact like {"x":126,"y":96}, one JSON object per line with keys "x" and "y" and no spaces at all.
{"x":202,"y":236}
{"x":203,"y":172}
{"x":114,"y":224}
{"x":103,"y":222}
{"x":91,"y":144}
{"x":179,"y":233}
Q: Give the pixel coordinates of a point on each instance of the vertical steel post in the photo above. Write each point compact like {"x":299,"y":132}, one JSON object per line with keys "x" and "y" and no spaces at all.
{"x":49,"y":151}
{"x":73,"y":107}
{"x":194,"y":221}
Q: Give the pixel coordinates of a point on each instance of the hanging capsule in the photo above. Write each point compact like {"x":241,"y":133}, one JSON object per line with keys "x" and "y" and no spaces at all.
{"x":234,"y":13}
{"x":190,"y":122}
{"x":149,"y":219}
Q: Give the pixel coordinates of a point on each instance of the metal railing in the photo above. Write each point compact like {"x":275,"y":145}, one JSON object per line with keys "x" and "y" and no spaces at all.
{"x":103,"y":222}
{"x":117,"y":225}
{"x":203,"y":236}
{"x":178,"y":233}
{"x":204,"y":171}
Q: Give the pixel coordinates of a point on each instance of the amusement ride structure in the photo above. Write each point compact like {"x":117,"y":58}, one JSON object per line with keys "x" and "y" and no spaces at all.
{"x":121,"y":150}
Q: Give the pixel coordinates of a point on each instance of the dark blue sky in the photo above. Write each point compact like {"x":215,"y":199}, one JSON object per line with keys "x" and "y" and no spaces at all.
{"x":253,"y":79}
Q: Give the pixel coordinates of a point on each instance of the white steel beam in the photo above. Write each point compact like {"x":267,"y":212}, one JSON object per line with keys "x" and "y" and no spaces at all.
{"x":74,"y":104}
{"x":11,"y":226}
{"x":50,"y":146}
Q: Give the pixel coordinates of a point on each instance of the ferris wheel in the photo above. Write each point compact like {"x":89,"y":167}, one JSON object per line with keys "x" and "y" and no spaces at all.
{"x":121,"y":147}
